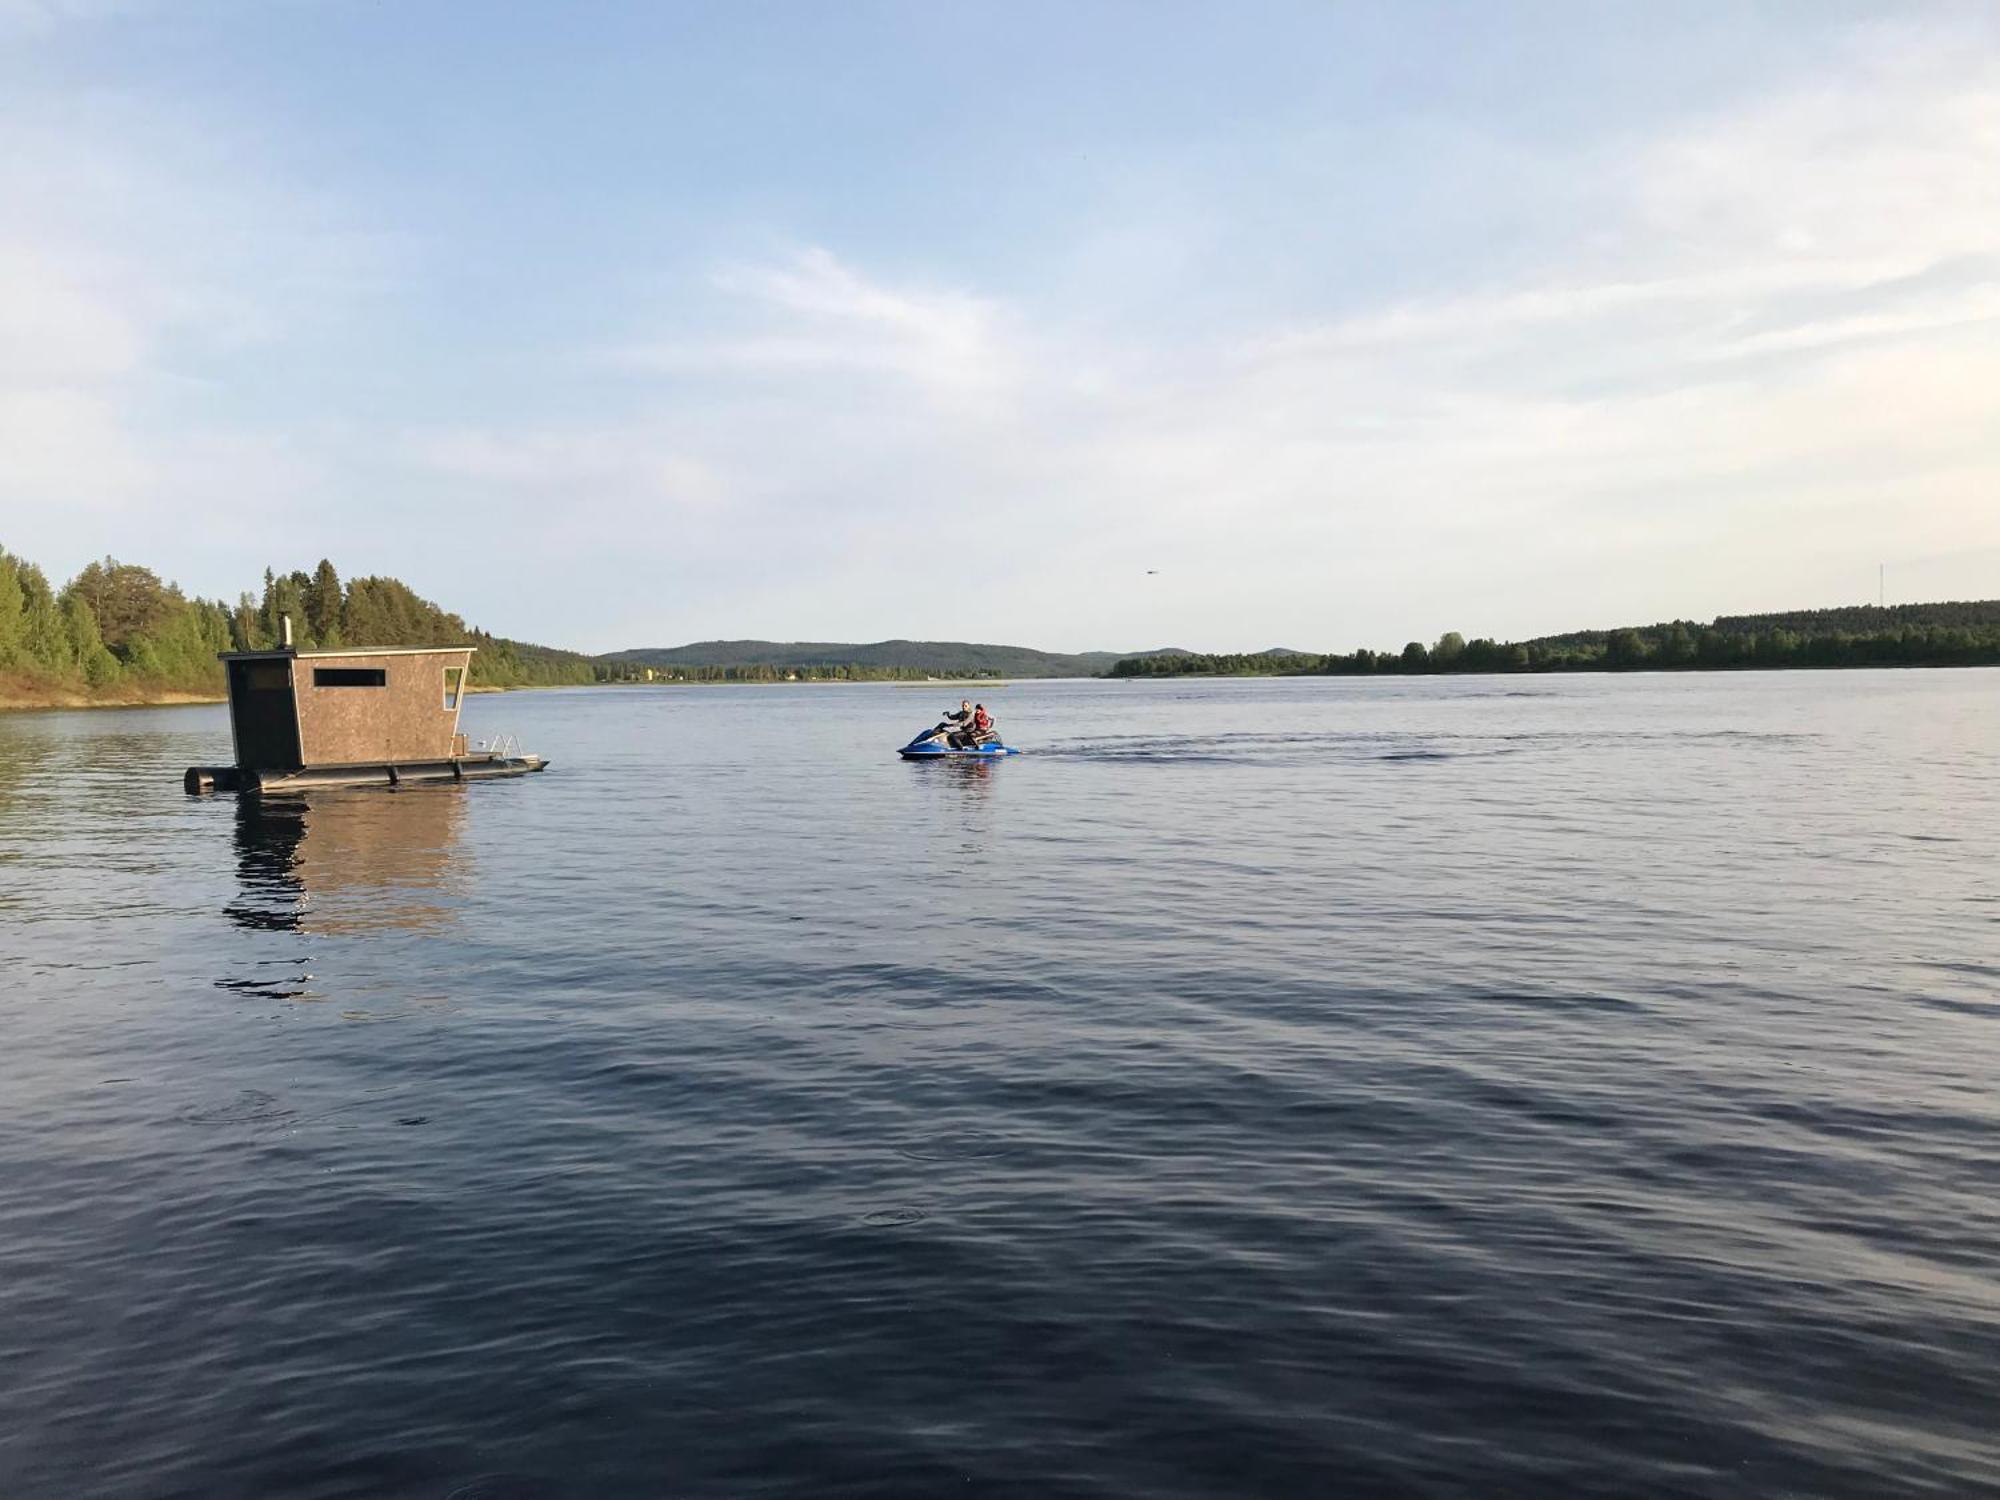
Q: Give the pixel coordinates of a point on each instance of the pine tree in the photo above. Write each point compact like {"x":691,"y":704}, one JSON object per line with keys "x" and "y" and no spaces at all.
{"x":86,"y":644}
{"x":284,"y":598}
{"x":44,"y":642}
{"x":269,"y":609}
{"x":246,"y":626}
{"x":323,"y":604}
{"x":10,"y":611}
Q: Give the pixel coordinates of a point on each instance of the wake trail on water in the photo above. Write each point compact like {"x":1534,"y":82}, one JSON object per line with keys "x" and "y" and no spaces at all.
{"x":1298,"y":748}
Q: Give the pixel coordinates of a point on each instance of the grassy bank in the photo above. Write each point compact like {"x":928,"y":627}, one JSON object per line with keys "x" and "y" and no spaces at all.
{"x":19,"y":690}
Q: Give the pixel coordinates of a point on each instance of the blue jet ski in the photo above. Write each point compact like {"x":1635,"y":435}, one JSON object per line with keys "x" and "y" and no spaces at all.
{"x":937,"y":744}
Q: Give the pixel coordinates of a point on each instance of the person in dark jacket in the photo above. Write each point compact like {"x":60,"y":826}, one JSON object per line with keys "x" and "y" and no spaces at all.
{"x":961,"y":725}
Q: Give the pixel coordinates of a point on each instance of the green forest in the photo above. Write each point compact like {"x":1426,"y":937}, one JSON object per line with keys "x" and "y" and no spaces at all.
{"x":1957,"y":634}
{"x":117,"y":632}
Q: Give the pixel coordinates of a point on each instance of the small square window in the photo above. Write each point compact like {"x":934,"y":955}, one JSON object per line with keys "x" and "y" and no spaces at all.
{"x":453,"y":678}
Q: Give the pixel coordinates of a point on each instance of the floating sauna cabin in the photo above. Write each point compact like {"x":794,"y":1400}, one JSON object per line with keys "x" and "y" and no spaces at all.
{"x":379,"y":716}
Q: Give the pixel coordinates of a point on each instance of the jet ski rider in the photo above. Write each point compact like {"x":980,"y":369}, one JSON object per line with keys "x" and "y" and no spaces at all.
{"x":982,"y":725}
{"x":961,"y":725}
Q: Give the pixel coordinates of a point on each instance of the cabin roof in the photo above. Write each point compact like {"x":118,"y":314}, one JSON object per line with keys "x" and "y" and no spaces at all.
{"x":285,"y":653}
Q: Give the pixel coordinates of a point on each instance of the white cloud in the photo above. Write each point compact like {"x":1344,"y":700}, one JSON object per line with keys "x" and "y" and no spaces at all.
{"x":56,"y":326}
{"x":811,"y":313}
{"x":608,"y":468}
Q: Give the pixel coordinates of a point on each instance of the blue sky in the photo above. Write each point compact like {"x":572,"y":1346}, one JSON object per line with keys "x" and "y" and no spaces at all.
{"x":628,"y":325}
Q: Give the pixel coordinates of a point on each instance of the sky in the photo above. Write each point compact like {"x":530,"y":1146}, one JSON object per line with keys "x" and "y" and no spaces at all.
{"x":1077,"y":325}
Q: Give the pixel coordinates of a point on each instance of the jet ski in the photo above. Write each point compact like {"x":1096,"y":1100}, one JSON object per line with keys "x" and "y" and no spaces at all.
{"x":935,"y":744}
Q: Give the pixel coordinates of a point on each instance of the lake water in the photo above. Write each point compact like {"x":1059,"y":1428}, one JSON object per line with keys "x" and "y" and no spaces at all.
{"x":1541,"y":1087}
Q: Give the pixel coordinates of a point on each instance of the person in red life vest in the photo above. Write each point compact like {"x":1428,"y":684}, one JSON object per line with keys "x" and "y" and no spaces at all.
{"x":982,"y":724}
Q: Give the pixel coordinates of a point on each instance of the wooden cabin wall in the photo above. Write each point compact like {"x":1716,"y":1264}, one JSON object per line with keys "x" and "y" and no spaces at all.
{"x":403,"y":720}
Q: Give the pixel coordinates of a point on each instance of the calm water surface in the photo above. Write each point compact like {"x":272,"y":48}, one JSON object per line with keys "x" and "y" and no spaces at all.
{"x":1508,"y":1087}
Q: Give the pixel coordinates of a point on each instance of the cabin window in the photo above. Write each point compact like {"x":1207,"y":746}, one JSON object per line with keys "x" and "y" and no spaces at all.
{"x":350,"y":677}
{"x":267,"y":677}
{"x":453,"y":676}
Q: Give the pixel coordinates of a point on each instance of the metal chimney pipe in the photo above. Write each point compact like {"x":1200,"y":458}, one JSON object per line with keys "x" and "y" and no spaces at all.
{"x":285,"y":632}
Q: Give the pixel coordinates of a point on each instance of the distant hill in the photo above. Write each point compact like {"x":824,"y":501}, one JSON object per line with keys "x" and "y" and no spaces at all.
{"x":887,"y":658}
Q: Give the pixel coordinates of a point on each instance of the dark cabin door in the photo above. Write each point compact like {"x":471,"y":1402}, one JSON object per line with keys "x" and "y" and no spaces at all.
{"x":265,"y":719}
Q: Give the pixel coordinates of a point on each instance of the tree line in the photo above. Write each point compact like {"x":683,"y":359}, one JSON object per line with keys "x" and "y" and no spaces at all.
{"x":1955,"y":634}
{"x":118,"y":629}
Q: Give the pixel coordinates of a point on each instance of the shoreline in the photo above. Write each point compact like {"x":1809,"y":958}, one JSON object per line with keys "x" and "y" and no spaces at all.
{"x":65,"y":700}
{"x":12,"y":702}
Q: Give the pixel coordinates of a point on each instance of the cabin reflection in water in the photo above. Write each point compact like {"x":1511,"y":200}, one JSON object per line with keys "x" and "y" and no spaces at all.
{"x":350,"y":861}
